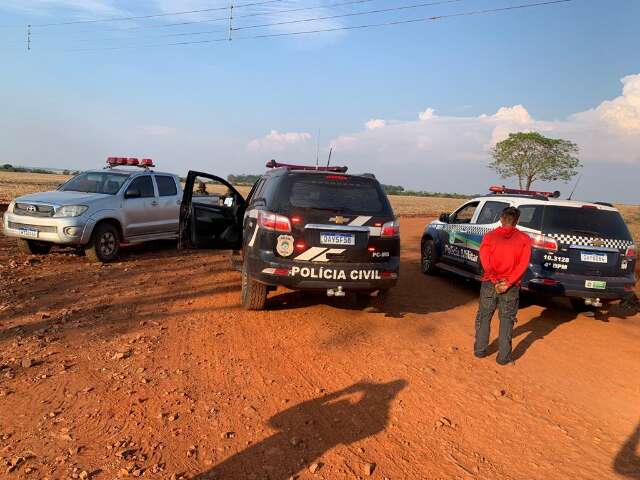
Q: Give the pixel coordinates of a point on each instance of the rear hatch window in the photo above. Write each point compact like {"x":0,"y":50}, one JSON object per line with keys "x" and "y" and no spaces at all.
{"x":584,"y":222}
{"x":337,"y":193}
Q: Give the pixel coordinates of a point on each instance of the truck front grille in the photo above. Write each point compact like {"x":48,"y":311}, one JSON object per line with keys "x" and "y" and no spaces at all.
{"x":40,"y":228}
{"x":33,"y":210}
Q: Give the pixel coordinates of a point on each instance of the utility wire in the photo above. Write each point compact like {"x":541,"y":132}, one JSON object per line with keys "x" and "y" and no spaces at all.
{"x":355,"y":27}
{"x":226,"y":19}
{"x":353,"y":14}
{"x":155,"y":15}
{"x":306,"y":20}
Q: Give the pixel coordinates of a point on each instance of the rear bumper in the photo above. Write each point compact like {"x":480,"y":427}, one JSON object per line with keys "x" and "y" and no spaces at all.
{"x":267,"y":268}
{"x":569,"y":285}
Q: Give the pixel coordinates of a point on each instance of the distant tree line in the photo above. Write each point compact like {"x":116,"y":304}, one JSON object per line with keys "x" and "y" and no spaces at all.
{"x":243,"y":179}
{"x":400,"y":190}
{"x":7,"y":167}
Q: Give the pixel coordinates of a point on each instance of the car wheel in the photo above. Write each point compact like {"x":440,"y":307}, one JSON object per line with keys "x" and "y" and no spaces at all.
{"x":33,"y":248}
{"x":105,"y":244}
{"x":254,"y":294}
{"x":429,"y":258}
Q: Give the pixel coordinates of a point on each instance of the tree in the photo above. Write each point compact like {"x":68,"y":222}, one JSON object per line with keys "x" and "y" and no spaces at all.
{"x":531,"y":156}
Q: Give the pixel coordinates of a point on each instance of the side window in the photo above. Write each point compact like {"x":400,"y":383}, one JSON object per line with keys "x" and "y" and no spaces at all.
{"x":166,"y":186}
{"x":465,"y":214}
{"x":145,"y":185}
{"x":530,"y":216}
{"x":257,"y":190}
{"x":490,"y":212}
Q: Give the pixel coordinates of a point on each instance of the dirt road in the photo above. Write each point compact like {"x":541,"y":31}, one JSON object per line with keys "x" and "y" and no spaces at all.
{"x":148,"y":367}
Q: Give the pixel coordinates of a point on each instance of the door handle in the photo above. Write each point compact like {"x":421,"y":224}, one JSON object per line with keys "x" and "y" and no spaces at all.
{"x":155,"y":203}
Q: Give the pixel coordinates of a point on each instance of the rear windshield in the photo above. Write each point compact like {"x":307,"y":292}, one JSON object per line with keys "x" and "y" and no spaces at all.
{"x":96,"y":182}
{"x":584,"y":222}
{"x":339,"y":193}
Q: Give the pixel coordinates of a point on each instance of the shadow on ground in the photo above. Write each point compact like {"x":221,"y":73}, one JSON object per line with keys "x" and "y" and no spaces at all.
{"x":627,"y":462}
{"x":307,"y":430}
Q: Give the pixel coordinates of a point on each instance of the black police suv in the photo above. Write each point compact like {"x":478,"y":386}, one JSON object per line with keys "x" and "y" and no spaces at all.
{"x":580,"y":250}
{"x":301,"y":227}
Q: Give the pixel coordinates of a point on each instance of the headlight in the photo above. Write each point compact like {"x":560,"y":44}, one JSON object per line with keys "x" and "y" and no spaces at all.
{"x":71,"y":211}
{"x":11,"y":206}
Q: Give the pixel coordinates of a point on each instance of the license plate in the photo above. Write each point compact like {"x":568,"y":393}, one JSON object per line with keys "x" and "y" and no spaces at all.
{"x":593,"y":257}
{"x":595,"y":284}
{"x":337,"y":239}
{"x":28,"y":232}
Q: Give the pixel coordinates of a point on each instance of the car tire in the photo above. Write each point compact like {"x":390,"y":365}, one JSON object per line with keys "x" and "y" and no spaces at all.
{"x":104,"y":246}
{"x":428,"y":258}
{"x":254,"y":294}
{"x":33,"y":248}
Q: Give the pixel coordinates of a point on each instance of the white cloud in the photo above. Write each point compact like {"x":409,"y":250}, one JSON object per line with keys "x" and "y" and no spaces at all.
{"x":39,"y":7}
{"x":426,"y":115}
{"x":375,"y":123}
{"x":276,"y":141}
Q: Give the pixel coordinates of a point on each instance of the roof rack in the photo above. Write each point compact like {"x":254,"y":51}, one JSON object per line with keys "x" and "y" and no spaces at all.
{"x":274,"y":164}
{"x":502,"y":190}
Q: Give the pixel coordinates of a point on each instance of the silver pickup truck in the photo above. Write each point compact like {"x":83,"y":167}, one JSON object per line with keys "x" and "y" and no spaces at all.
{"x":98,"y":211}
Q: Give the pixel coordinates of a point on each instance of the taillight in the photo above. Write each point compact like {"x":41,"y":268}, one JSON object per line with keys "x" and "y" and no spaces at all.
{"x":631,"y":251}
{"x":272,"y":221}
{"x":543,"y":242}
{"x":390,"y":229}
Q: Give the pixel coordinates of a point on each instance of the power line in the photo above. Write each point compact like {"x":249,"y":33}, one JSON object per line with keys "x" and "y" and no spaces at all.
{"x":306,"y":20}
{"x":354,"y":27}
{"x":226,"y":18}
{"x":353,"y":14}
{"x":155,"y":15}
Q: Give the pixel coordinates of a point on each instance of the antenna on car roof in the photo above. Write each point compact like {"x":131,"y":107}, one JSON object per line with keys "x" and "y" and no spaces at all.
{"x":574,"y":187}
{"x":318,"y":149}
{"x":329,"y":159}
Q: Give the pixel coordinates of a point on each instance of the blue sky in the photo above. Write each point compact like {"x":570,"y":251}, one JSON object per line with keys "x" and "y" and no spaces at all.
{"x":226,"y":107}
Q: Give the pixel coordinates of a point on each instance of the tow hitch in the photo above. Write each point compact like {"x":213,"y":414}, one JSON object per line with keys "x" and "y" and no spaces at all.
{"x":594,"y":302}
{"x":337,"y":292}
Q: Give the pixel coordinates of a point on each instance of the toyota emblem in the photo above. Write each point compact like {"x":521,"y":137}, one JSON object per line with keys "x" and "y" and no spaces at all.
{"x":31,"y":208}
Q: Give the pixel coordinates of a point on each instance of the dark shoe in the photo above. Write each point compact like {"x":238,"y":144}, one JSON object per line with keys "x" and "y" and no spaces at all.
{"x":505,"y":362}
{"x":480,"y":354}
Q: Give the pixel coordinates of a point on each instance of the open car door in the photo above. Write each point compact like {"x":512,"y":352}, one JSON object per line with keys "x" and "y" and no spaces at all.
{"x":211,"y":213}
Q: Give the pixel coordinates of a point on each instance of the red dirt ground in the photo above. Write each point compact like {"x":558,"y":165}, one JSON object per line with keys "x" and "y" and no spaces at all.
{"x":148,"y":367}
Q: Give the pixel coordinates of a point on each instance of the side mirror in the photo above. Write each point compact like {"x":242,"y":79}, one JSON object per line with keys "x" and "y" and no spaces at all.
{"x":445,"y":217}
{"x":132,"y":193}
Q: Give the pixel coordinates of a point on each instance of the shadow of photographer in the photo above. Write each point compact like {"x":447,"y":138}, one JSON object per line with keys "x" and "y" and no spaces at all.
{"x":308,"y":430}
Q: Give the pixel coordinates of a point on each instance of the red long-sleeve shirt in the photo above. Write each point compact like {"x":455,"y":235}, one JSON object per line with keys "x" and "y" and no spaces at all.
{"x":505,"y":253}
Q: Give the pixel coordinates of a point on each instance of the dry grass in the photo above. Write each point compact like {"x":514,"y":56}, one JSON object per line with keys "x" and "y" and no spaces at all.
{"x":13,"y":184}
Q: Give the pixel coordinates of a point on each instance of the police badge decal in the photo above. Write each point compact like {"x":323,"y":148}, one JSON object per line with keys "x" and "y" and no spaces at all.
{"x":285,"y":245}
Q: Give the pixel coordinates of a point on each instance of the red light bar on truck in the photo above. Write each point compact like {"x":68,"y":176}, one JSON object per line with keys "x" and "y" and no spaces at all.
{"x":512,"y":191}
{"x":274,"y":164}
{"x":129,"y":161}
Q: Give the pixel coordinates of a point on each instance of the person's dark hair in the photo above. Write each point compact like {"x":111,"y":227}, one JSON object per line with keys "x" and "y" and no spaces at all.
{"x":510,"y":215}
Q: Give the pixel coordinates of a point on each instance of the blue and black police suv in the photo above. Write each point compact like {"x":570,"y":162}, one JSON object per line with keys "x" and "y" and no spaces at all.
{"x":580,"y":250}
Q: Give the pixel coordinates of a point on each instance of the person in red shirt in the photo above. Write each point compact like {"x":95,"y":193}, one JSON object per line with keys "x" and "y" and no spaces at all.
{"x":505,"y":253}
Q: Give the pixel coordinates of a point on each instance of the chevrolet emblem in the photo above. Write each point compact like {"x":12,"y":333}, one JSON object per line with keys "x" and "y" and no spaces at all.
{"x":597,"y":243}
{"x":340,"y":220}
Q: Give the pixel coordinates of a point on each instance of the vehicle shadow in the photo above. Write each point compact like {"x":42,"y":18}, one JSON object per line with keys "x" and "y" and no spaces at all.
{"x":414,"y":293}
{"x":308,"y":430}
{"x":627,"y":461}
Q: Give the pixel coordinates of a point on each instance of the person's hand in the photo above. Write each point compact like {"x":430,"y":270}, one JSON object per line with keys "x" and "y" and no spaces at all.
{"x":502,"y":287}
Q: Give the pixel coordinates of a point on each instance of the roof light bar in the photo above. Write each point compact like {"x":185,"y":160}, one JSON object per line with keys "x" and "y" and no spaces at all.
{"x":274,"y":164}
{"x":501,"y":189}
{"x":129,"y":161}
